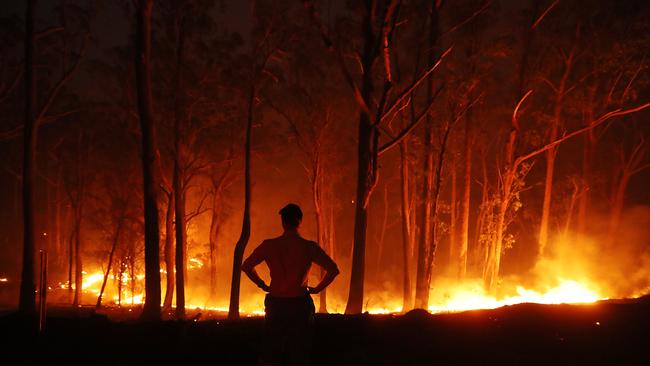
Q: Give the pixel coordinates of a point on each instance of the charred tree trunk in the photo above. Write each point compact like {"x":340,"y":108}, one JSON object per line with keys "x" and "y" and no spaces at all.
{"x":382,"y":230}
{"x":467,"y":192}
{"x":151,"y":310}
{"x":366,"y":167}
{"x":70,"y":262}
{"x":426,"y":244}
{"x":493,"y":263}
{"x":215,"y":228}
{"x":181,"y":243}
{"x":116,"y":239}
{"x":78,"y":264}
{"x":27,"y":301}
{"x":629,"y":166}
{"x":179,"y":174}
{"x":320,"y":221}
{"x":169,"y":253}
{"x":588,"y":149}
{"x":453,"y":242}
{"x":550,"y":156}
{"x":407,"y":295}
{"x":233,"y":310}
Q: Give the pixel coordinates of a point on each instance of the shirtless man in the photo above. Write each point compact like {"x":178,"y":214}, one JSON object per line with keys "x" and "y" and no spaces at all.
{"x":289,"y":309}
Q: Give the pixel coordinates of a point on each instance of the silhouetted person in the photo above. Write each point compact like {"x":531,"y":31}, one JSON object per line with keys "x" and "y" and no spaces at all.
{"x":289,"y":309}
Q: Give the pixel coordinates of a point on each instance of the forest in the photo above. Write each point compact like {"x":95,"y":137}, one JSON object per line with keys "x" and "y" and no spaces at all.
{"x":448,"y":155}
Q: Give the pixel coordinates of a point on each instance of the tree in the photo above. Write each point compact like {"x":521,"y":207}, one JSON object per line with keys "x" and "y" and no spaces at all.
{"x":28,"y":282}
{"x":151,"y":310}
{"x":35,"y":116}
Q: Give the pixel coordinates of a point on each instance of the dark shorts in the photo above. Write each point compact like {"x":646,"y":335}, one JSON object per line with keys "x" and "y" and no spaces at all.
{"x":287,"y":330}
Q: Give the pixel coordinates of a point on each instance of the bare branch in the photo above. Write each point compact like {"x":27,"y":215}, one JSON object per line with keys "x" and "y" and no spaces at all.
{"x":338,"y":55}
{"x":603,"y":118}
{"x":544,"y":14}
{"x":46,"y":32}
{"x":412,"y":87}
{"x":397,"y":139}
{"x":468,"y":19}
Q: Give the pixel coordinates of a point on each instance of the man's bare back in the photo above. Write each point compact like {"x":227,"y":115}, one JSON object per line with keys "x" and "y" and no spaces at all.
{"x":289,"y":258}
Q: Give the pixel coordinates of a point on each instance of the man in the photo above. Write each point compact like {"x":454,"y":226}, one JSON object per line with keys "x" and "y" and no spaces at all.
{"x":289,"y":309}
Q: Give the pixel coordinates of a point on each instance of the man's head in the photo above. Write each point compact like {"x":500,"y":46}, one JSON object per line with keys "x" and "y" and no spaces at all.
{"x":291,"y":216}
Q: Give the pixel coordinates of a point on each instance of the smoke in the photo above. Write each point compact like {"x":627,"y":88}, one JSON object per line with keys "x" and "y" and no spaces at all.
{"x":616,"y":263}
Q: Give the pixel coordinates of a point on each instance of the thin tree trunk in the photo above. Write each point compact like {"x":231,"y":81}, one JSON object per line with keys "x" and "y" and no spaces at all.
{"x":493,"y":265}
{"x":382,"y":230}
{"x":179,"y":174}
{"x":481,"y":253}
{"x":588,"y":148}
{"x":453,"y":243}
{"x":116,"y":238}
{"x":233,"y":310}
{"x":71,"y":255}
{"x":27,"y":301}
{"x":119,"y":283}
{"x":427,"y":225}
{"x":58,"y":237}
{"x":151,"y":310}
{"x":366,"y":169}
{"x":215,"y":228}
{"x":550,"y":157}
{"x":79,"y":210}
{"x":465,"y":205}
{"x":169,"y":253}
{"x":78,"y":266}
{"x":320,"y":226}
{"x":572,"y":204}
{"x":407,"y":297}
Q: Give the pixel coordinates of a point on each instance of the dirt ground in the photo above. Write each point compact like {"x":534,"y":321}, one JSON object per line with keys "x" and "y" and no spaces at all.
{"x":610,"y":332}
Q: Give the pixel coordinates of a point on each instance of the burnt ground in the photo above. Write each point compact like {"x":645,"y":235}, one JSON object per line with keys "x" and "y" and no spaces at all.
{"x":611,"y":332}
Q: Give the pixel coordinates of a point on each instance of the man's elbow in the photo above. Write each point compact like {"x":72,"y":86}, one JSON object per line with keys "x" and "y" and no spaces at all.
{"x":334,"y":271}
{"x":246,"y":267}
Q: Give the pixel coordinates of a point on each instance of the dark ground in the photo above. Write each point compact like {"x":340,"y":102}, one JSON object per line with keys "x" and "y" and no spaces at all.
{"x":611,"y":332}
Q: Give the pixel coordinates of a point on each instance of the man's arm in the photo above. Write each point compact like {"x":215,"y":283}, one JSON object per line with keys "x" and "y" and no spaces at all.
{"x":331,"y":269}
{"x":249,"y":264}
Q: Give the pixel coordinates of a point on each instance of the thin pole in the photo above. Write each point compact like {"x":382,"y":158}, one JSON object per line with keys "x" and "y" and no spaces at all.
{"x":42,"y":294}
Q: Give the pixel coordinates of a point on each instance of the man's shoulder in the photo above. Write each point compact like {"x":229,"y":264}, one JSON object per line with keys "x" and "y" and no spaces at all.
{"x":311,"y":244}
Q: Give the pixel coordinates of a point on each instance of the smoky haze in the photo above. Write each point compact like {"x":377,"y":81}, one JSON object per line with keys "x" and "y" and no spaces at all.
{"x":89,"y":154}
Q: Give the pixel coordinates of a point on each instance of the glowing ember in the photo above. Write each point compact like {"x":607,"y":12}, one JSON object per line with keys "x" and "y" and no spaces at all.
{"x":4,"y":279}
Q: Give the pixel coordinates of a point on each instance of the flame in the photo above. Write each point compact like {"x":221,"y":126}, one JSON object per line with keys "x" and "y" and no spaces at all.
{"x":471,"y":298}
{"x":459,"y":297}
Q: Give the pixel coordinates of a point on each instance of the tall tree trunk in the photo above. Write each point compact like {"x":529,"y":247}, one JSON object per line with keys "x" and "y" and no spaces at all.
{"x":233,"y":310}
{"x":407,"y":295}
{"x":366,"y":167}
{"x":71,"y":254}
{"x":151,"y":310}
{"x":467,"y":192}
{"x":482,"y":248}
{"x":215,"y":228}
{"x":58,"y":236}
{"x":588,"y":149}
{"x":181,"y":243}
{"x":425,"y":245}
{"x":320,"y":223}
{"x":453,"y":242}
{"x":382,"y":230}
{"x":179,"y":172}
{"x":493,"y":263}
{"x":27,"y":301}
{"x":169,"y":253}
{"x":78,"y":265}
{"x":116,"y":239}
{"x":550,"y":156}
